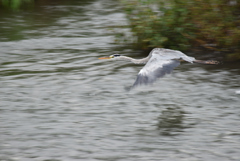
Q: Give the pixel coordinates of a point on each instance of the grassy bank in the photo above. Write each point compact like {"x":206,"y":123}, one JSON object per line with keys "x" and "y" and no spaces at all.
{"x":212,"y":25}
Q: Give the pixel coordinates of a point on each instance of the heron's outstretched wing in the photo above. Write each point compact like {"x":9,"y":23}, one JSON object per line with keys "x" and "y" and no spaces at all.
{"x":155,"y":68}
{"x":168,"y":54}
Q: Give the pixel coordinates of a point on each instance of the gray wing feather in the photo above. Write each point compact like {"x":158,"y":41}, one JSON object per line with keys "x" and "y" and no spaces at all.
{"x":155,"y":68}
{"x":168,"y":54}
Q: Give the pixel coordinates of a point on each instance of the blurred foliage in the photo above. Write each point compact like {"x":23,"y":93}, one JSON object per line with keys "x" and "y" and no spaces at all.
{"x":180,"y":24}
{"x":14,"y":4}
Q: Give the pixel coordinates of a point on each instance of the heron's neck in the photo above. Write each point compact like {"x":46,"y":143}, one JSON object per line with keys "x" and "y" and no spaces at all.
{"x":135,"y":61}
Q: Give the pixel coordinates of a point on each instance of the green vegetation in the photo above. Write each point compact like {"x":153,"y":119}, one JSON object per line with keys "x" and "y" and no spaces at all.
{"x":180,"y":24}
{"x":14,"y":4}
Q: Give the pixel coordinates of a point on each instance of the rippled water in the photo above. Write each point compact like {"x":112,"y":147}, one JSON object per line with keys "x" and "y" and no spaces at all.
{"x":59,"y":102}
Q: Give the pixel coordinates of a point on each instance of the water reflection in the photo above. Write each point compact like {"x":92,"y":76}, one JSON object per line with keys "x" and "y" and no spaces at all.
{"x":171,"y":121}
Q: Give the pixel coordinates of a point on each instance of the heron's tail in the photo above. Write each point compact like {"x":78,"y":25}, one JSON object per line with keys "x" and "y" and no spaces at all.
{"x":206,"y":61}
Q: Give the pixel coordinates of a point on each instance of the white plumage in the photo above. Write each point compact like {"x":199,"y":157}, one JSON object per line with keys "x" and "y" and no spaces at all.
{"x":161,"y":62}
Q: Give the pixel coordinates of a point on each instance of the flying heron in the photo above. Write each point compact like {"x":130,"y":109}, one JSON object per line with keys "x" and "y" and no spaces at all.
{"x":159,"y":62}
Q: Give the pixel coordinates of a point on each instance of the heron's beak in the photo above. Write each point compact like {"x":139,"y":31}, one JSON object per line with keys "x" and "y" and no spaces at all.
{"x":108,"y":57}
{"x":104,"y":58}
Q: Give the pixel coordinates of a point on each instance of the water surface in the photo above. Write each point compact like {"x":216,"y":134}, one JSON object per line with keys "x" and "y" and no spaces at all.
{"x":59,"y":102}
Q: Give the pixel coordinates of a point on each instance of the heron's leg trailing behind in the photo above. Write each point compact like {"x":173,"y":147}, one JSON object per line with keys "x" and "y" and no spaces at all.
{"x":206,"y":62}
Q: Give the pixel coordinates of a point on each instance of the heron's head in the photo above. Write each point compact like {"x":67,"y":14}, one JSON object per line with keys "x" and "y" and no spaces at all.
{"x":111,"y":56}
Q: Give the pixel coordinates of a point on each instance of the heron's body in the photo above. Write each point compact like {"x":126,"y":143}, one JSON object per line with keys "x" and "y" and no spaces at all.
{"x":158,"y":63}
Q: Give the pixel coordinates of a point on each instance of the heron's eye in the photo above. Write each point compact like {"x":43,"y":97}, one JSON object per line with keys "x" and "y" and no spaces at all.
{"x":116,"y":55}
